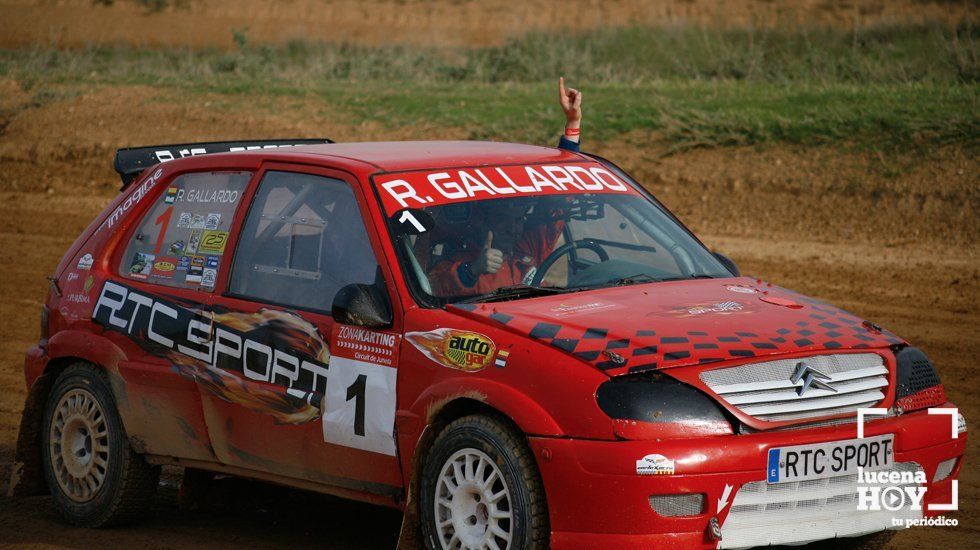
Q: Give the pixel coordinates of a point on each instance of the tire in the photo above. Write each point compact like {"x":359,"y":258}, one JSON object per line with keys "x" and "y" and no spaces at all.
{"x":481,"y":477}
{"x":91,"y":470}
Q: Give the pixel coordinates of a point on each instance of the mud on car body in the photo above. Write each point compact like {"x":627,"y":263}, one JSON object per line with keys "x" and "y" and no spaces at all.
{"x":324,"y":317}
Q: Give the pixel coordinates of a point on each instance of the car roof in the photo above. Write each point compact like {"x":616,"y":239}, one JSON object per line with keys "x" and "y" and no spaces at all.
{"x":396,"y":156}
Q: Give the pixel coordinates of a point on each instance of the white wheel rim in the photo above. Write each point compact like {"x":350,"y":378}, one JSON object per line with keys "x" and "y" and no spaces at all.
{"x":78,"y":441}
{"x":473,"y":505}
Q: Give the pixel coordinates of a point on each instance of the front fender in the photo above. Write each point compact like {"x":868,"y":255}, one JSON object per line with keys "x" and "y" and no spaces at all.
{"x":529,"y":416}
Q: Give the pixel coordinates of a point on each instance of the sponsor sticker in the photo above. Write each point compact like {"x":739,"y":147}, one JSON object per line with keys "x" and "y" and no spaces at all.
{"x":727,"y":307}
{"x":183,"y":263}
{"x":177,"y":247}
{"x":501,"y":360}
{"x":655,"y":464}
{"x":741,"y":289}
{"x":185,"y":219}
{"x":212,"y":221}
{"x":211,"y":262}
{"x":133,"y":199}
{"x":456,"y":349}
{"x":78,"y":298}
{"x":193,"y":242}
{"x":574,"y":308}
{"x":213,"y":242}
{"x":208,"y":276}
{"x":141,"y":266}
{"x":88,"y":284}
{"x":85,"y":262}
{"x":195,"y":271}
{"x":164,"y":267}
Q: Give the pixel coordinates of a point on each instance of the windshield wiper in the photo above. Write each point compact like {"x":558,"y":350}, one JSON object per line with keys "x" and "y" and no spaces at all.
{"x":633,"y":279}
{"x":691,"y":276}
{"x":512,"y":292}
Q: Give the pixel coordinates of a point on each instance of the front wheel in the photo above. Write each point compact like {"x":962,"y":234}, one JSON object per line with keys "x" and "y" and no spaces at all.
{"x":480,"y":488}
{"x":94,"y":475}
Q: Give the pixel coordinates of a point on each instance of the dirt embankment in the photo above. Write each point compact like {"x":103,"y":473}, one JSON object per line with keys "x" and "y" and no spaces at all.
{"x":462,"y":23}
{"x":892,"y":238}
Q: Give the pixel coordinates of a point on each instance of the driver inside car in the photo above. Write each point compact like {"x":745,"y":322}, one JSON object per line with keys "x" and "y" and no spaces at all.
{"x":505,"y":241}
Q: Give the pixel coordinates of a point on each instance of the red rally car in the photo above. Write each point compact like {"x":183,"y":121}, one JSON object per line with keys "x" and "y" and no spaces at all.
{"x":517,"y":345}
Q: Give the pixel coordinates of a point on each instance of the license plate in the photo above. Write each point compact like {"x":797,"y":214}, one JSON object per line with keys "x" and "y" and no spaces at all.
{"x":836,"y":458}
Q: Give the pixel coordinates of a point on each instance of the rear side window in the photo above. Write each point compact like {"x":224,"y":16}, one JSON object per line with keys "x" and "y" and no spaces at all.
{"x":303,"y":240}
{"x":182,"y":240}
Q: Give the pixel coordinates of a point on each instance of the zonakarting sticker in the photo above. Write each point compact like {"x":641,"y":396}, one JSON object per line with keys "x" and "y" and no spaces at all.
{"x":360,"y":399}
{"x":457,"y":349}
{"x":421,"y":189}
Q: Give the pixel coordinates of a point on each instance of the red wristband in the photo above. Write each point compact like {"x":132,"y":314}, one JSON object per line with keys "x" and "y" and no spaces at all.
{"x":571,"y":132}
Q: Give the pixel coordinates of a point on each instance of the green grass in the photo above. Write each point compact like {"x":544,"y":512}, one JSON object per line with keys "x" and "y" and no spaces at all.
{"x":878,"y":87}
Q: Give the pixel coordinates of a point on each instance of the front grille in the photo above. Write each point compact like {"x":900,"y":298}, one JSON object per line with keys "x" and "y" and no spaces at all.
{"x":799,"y":512}
{"x":766,"y":390}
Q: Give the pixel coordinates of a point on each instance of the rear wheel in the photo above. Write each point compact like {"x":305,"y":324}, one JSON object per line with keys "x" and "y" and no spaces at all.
{"x":481,"y":489}
{"x":94,"y":475}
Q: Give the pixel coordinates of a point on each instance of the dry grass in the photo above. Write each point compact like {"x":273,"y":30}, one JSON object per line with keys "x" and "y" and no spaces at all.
{"x":456,"y":23}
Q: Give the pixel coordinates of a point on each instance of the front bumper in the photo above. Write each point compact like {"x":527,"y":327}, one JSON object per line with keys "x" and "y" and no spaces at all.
{"x":596,"y":499}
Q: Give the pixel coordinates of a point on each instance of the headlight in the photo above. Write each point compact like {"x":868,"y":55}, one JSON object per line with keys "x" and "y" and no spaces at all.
{"x":918,"y":385}
{"x":647,"y":405}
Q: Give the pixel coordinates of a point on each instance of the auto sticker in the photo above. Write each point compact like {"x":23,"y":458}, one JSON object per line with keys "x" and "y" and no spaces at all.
{"x":457,"y":349}
{"x":359,"y":406}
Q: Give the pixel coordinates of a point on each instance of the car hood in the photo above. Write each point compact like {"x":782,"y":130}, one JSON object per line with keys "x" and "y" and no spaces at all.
{"x":679,"y":323}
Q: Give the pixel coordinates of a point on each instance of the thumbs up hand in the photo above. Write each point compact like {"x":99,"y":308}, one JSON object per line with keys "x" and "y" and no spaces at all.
{"x":490,"y":259}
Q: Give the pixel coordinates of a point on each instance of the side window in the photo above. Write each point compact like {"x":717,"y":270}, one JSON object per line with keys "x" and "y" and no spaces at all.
{"x":181,"y":241}
{"x":303,"y":240}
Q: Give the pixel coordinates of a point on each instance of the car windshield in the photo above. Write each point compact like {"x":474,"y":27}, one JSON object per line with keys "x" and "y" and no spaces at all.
{"x":549,"y":239}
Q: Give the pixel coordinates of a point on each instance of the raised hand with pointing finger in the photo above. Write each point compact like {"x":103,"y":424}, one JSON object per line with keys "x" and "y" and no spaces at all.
{"x":570,"y":100}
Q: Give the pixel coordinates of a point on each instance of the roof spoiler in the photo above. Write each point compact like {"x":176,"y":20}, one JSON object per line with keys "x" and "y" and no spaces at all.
{"x":131,"y":161}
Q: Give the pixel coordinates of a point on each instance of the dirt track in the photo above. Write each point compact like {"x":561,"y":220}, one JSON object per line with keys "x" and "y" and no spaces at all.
{"x":892,"y":239}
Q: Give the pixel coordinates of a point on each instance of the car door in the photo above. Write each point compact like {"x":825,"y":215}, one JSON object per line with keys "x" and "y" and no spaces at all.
{"x":155,"y":306}
{"x":303,"y":397}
